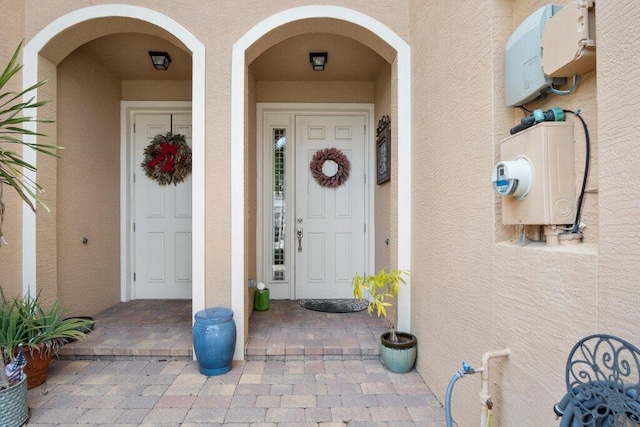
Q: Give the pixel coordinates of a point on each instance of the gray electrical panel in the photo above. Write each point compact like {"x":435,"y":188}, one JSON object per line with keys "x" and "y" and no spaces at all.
{"x":523,"y":75}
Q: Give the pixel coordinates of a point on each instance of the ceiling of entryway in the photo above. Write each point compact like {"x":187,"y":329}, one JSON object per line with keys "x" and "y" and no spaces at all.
{"x":126,"y":56}
{"x":349,"y":60}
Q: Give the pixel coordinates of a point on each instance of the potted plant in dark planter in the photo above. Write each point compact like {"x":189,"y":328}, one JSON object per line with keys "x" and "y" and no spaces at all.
{"x":25,"y":322}
{"x":398,"y":349}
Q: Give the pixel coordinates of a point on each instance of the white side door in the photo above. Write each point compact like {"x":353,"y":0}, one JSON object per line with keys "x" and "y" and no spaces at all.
{"x":162,"y":218}
{"x":332,"y":220}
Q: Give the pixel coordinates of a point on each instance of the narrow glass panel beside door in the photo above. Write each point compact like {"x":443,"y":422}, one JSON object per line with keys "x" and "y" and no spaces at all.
{"x":279,"y":204}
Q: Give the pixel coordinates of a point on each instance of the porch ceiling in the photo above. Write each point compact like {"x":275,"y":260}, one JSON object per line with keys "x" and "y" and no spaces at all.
{"x":126,"y":55}
{"x":349,"y":60}
{"x":118,"y":42}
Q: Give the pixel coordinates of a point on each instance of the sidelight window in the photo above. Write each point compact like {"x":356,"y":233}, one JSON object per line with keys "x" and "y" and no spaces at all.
{"x":279,"y":153}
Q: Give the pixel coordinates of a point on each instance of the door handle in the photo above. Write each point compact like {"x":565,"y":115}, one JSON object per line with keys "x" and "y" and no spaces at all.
{"x":299,"y":234}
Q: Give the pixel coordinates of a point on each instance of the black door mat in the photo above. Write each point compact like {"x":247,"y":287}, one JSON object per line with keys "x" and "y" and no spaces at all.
{"x":334,"y":305}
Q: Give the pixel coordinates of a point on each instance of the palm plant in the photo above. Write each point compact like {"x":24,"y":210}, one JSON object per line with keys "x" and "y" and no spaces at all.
{"x":12,"y":132}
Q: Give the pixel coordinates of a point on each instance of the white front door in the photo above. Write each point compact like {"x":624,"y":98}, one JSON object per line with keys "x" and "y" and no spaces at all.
{"x":329,"y":227}
{"x":162,"y":218}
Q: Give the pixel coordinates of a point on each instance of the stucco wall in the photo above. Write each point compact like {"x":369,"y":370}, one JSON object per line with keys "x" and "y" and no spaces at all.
{"x":88,"y":199}
{"x":47,"y":250}
{"x":393,"y":197}
{"x":383,"y":192}
{"x":279,"y":91}
{"x":251,"y":199}
{"x":453,"y":204}
{"x":11,"y":255}
{"x":619,"y":177}
{"x":474,"y":289}
{"x":156,"y":90}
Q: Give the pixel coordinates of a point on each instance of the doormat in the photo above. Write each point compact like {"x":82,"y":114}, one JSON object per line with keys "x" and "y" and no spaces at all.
{"x":334,"y":305}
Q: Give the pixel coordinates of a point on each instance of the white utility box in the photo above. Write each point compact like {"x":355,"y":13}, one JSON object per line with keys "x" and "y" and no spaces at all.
{"x":524,"y":80}
{"x":549,"y":149}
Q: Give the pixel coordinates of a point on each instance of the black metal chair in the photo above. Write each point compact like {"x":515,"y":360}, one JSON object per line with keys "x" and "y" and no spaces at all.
{"x":603,"y":384}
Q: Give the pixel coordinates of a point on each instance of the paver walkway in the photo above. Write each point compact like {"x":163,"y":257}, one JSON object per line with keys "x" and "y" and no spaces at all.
{"x":304,"y":368}
{"x":161,"y":329}
{"x":253,"y":393}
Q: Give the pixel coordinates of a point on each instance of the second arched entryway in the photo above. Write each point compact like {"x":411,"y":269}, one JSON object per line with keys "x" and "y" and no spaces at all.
{"x":289,"y":25}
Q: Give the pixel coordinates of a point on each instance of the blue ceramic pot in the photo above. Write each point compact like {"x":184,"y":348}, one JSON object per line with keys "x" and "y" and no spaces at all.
{"x":401,"y":356}
{"x":214,"y":340}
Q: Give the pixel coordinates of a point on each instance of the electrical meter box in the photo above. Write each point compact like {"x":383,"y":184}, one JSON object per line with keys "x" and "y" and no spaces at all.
{"x":549,"y":149}
{"x":524,"y":80}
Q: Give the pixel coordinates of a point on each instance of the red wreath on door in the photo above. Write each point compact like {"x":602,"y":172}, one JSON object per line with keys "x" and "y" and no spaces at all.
{"x":335,"y":155}
{"x":167,"y":159}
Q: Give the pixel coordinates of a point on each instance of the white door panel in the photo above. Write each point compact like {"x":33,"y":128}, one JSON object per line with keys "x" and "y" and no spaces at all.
{"x":332,"y":220}
{"x":162,"y":218}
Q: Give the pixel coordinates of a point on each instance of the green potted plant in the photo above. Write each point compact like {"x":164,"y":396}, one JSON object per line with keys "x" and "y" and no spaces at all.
{"x":398,"y":349}
{"x":25,"y":322}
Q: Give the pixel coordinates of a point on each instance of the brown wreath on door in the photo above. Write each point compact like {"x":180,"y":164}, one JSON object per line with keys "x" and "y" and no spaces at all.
{"x":330,"y":154}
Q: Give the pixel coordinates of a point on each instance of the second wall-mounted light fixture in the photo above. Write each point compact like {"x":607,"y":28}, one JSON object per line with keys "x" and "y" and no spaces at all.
{"x":318,"y":60}
{"x":160,"y":60}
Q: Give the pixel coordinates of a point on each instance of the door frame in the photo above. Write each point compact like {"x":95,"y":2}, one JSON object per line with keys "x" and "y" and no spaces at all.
{"x":287,"y":290}
{"x":128,"y":110}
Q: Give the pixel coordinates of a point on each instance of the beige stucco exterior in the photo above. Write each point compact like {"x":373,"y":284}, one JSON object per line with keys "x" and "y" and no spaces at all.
{"x":473,"y":287}
{"x":88,"y":192}
{"x":11,"y":259}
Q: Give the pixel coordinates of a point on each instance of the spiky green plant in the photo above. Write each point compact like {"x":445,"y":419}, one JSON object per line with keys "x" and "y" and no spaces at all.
{"x":381,"y":290}
{"x":24,"y":321}
{"x":12,"y":131}
{"x":12,"y":167}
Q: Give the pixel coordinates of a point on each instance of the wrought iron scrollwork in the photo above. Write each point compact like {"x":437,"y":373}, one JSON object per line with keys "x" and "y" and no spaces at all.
{"x":603,"y":382}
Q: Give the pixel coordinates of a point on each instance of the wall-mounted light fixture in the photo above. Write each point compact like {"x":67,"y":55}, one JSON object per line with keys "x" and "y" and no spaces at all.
{"x":160,"y":60}
{"x":318,"y":60}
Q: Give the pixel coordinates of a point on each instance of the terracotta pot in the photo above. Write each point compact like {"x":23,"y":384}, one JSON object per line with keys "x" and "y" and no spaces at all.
{"x":37,"y":368}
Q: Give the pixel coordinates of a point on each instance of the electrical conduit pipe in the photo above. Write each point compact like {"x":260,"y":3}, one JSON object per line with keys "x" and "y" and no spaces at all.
{"x":485,"y":396}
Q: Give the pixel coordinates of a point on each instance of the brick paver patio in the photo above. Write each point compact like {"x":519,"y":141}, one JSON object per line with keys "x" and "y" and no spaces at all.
{"x":253,"y":393}
{"x":303,"y":368}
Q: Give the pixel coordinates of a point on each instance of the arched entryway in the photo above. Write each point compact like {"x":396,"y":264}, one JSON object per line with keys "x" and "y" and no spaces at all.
{"x":291,"y":23}
{"x":42,"y":54}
